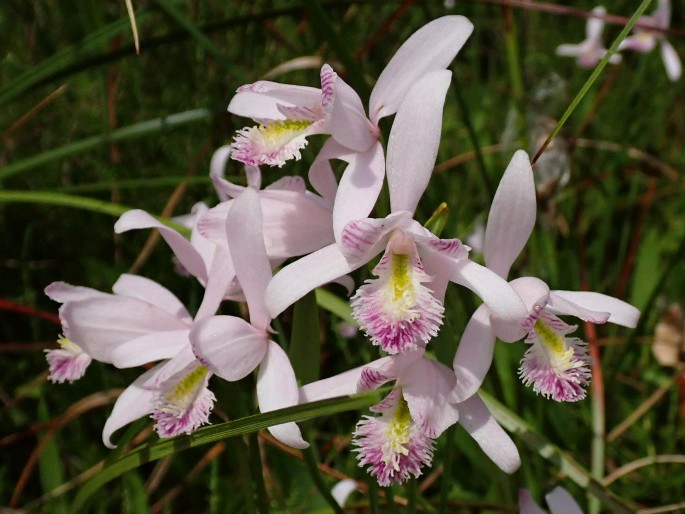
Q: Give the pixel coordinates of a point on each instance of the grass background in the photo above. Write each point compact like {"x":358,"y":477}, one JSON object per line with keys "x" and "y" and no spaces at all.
{"x":74,"y":98}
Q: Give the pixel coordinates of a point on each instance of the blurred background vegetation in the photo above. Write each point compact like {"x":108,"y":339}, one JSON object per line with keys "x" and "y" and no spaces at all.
{"x":83,"y":115}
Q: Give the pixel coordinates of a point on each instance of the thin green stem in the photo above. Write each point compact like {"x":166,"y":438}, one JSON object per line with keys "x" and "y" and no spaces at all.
{"x":591,"y":80}
{"x":257,"y":474}
{"x":311,"y":460}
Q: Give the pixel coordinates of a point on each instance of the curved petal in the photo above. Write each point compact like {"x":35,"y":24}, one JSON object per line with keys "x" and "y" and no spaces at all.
{"x":217,"y":168}
{"x":426,"y":386}
{"x":347,"y":120}
{"x":414,"y":140}
{"x":534,"y":294}
{"x":674,"y":67}
{"x":569,"y":50}
{"x":320,"y":173}
{"x":527,"y":505}
{"x":595,"y":25}
{"x":497,"y":294}
{"x":220,"y":283}
{"x":305,"y":274}
{"x":342,"y":490}
{"x":228,"y":346}
{"x":474,"y":355}
{"x":149,"y":348}
{"x":430,"y":48}
{"x":277,"y":389}
{"x":493,"y":440}
{"x":343,"y":384}
{"x":512,"y":215}
{"x":62,"y":292}
{"x":261,"y":100}
{"x":363,"y":239}
{"x":135,"y":286}
{"x":359,"y":187}
{"x":135,"y":402}
{"x":594,"y":307}
{"x":184,"y":251}
{"x":383,"y":370}
{"x":246,"y":244}
{"x":560,"y":501}
{"x":288,"y":183}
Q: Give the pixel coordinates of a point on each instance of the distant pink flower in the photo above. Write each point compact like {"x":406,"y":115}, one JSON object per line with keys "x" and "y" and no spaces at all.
{"x":645,"y":40}
{"x":555,"y":365}
{"x":558,"y":500}
{"x":589,"y":51}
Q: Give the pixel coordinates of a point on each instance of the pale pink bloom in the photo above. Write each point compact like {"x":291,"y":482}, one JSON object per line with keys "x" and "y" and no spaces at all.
{"x":401,"y":309}
{"x":589,"y":51}
{"x":558,"y":500}
{"x":645,"y":40}
{"x":231,"y":347}
{"x":68,"y":363}
{"x":399,"y":443}
{"x":289,"y":113}
{"x":555,"y":364}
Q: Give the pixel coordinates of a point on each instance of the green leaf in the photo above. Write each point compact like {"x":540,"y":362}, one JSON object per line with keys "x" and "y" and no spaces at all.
{"x":305,"y":346}
{"x":436,"y":223}
{"x":335,"y":305}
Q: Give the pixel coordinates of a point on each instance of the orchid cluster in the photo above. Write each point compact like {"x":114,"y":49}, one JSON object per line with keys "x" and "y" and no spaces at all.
{"x":650,"y":31}
{"x":312,"y":238}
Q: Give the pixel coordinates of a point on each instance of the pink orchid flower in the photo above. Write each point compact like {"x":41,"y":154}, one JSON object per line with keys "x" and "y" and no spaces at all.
{"x":399,"y":443}
{"x":402,"y":308}
{"x":556,"y":365}
{"x":232,"y":348}
{"x":589,"y":51}
{"x":558,"y":500}
{"x":645,"y":40}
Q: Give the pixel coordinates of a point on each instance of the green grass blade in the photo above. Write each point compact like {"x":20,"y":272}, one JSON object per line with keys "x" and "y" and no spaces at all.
{"x":305,"y":345}
{"x":138,"y":129}
{"x":335,"y":305}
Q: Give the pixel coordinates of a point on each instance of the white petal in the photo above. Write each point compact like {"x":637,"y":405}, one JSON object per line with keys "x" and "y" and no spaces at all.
{"x":150,"y":291}
{"x":593,"y":307}
{"x":135,"y":402}
{"x":430,"y":48}
{"x":217,"y":168}
{"x":560,"y":501}
{"x":512,"y":215}
{"x":474,"y":355}
{"x":343,"y":384}
{"x":246,"y":244}
{"x":149,"y":348}
{"x":494,"y":441}
{"x":674,"y":67}
{"x":595,"y":26}
{"x":62,"y":292}
{"x":228,"y":346}
{"x":342,"y":490}
{"x":305,"y":274}
{"x":414,"y":140}
{"x":277,"y":389}
{"x":321,"y":175}
{"x":569,"y":50}
{"x":262,"y":99}
{"x":347,"y":122}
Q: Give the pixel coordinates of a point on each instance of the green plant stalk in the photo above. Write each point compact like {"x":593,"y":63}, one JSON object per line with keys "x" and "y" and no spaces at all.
{"x":598,"y":443}
{"x":138,"y":129}
{"x":258,"y":474}
{"x":79,"y":202}
{"x":305,"y":346}
{"x":550,"y":452}
{"x":335,"y":305}
{"x":591,"y":80}
{"x":311,"y":459}
{"x":513,"y":54}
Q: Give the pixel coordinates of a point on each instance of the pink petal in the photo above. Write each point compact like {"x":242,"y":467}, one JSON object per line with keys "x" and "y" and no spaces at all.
{"x":149,"y":348}
{"x":534,"y":294}
{"x":262,"y":99}
{"x":347,"y":120}
{"x":383,"y":370}
{"x":184,"y":251}
{"x":277,"y":389}
{"x":560,"y":501}
{"x":135,"y":286}
{"x":321,"y":175}
{"x":414,"y":140}
{"x":569,"y":50}
{"x":512,"y":215}
{"x":228,"y":346}
{"x":430,"y":48}
{"x":217,"y":167}
{"x":220,"y":283}
{"x":595,"y":25}
{"x":135,"y":402}
{"x":474,"y":355}
{"x":492,"y":289}
{"x":62,"y":292}
{"x":594,"y":307}
{"x":289,"y":183}
{"x":674,"y":67}
{"x":493,"y":440}
{"x":363,"y":239}
{"x":305,"y":274}
{"x":343,"y":384}
{"x":426,"y":386}
{"x":527,"y":505}
{"x":244,"y":232}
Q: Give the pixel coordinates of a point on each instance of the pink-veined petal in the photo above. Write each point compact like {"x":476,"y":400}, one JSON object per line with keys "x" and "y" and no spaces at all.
{"x":593,"y":307}
{"x":135,"y":402}
{"x":363,"y":239}
{"x":149,"y":348}
{"x":560,"y":501}
{"x":426,"y":386}
{"x":62,"y":292}
{"x":527,"y":505}
{"x":512,"y":215}
{"x":430,"y":48}
{"x":497,"y":294}
{"x":347,"y":120}
{"x":359,"y":187}
{"x":674,"y":67}
{"x":261,"y":100}
{"x":277,"y":389}
{"x":414,"y":140}
{"x":305,"y":274}
{"x":246,"y":244}
{"x":184,"y":251}
{"x":475,"y":417}
{"x":381,"y":371}
{"x":474,"y":355}
{"x":135,"y":286}
{"x":228,"y":346}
